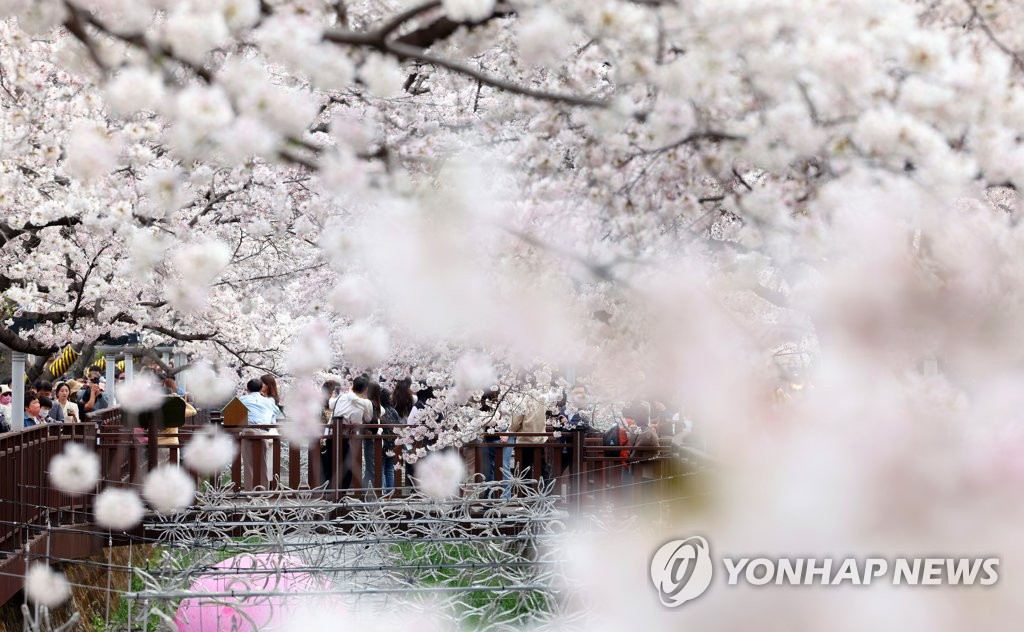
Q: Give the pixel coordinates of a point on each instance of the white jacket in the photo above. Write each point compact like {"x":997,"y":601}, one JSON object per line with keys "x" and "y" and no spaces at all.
{"x":354,"y":409}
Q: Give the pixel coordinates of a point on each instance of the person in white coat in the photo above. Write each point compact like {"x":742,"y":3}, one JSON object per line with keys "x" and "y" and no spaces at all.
{"x":354,"y":408}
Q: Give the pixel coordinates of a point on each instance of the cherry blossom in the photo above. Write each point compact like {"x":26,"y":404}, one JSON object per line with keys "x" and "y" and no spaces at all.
{"x":440,"y":474}
{"x":141,"y":394}
{"x":45,"y":586}
{"x":168,"y":489}
{"x":75,"y":470}
{"x":688,"y":201}
{"x":209,"y":451}
{"x":118,"y":509}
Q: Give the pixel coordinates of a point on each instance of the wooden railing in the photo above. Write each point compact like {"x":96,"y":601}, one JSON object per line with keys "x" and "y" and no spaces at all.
{"x":583,"y":470}
{"x":36,"y":517}
{"x":27,"y":498}
{"x":30,"y":506}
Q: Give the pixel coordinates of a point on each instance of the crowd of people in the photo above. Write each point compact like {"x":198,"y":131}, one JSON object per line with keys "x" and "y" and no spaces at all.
{"x":367,"y":402}
{"x":502,"y":417}
{"x":71,"y":400}
{"x":633,"y":432}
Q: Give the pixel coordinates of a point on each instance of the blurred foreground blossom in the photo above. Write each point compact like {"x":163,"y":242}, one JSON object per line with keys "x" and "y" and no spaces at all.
{"x":168,"y":489}
{"x":310,"y":351}
{"x":304,"y":424}
{"x":45,"y":586}
{"x":209,"y":451}
{"x":118,"y":509}
{"x":75,"y":470}
{"x":208,"y":386}
{"x":439,"y":474}
{"x":141,"y":394}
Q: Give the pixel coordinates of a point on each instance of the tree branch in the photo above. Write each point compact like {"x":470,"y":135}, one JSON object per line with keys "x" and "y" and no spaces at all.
{"x":15,"y":342}
{"x":404,"y":51}
{"x":976,"y":17}
{"x":396,"y":21}
{"x":443,"y":28}
{"x":170,"y":333}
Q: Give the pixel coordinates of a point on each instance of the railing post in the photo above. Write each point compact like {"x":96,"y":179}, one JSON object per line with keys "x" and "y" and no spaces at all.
{"x":337,"y":462}
{"x":110,"y":357}
{"x":579,"y":476}
{"x":181,"y":377}
{"x":355,"y":451}
{"x":129,"y":367}
{"x":17,"y":390}
{"x":152,"y":447}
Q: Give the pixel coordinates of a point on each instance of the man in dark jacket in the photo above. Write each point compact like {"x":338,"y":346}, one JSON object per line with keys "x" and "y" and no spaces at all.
{"x":93,"y":396}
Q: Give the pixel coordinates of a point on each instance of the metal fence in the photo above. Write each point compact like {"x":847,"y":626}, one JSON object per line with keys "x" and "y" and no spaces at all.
{"x":579,"y":472}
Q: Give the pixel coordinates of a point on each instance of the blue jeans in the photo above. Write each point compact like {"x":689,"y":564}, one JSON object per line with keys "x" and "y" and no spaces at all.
{"x":490,"y":455}
{"x":506,"y":469}
{"x":389,"y":473}
{"x":368,"y":465}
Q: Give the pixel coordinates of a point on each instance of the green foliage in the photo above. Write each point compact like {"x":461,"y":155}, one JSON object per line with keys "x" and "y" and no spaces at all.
{"x":466,"y":565}
{"x":119,"y":617}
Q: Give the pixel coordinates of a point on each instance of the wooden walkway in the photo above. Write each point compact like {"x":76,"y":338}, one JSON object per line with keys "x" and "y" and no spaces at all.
{"x":36,"y":518}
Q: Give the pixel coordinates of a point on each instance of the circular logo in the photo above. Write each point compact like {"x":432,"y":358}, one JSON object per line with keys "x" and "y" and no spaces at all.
{"x":681,"y":570}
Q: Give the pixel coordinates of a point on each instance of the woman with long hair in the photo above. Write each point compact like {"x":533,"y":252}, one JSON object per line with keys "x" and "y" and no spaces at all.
{"x":372,"y":394}
{"x":270,"y":388}
{"x":388,"y":416}
{"x":404,"y":401}
{"x":63,"y":393}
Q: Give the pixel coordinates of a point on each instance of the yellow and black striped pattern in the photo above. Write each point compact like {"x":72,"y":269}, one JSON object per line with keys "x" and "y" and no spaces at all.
{"x":63,"y":361}
{"x":102,"y":363}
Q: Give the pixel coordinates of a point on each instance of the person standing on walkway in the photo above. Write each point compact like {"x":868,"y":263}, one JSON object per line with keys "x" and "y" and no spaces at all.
{"x":5,"y":402}
{"x":330,"y":390}
{"x":45,"y":391}
{"x":643,"y":455}
{"x":369,"y":453}
{"x":63,"y":402}
{"x":388,"y":416}
{"x":270,"y":388}
{"x":32,"y":408}
{"x":93,"y":396}
{"x":262,"y":411}
{"x":405,"y":405}
{"x":354,"y":408}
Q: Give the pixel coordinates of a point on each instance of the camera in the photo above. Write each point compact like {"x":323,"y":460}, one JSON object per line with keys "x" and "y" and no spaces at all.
{"x":95,"y":380}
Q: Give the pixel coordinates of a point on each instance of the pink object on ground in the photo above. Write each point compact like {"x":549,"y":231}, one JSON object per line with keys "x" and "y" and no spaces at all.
{"x":246,"y":613}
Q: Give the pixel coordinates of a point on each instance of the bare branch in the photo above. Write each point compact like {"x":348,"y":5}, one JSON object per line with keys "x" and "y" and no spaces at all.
{"x":404,"y":51}
{"x":398,"y":20}
{"x":443,"y":28}
{"x":976,"y":17}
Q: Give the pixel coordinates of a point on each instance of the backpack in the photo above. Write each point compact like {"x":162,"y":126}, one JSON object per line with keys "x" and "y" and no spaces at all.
{"x":611,"y":436}
{"x":616,"y":436}
{"x":389,"y":416}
